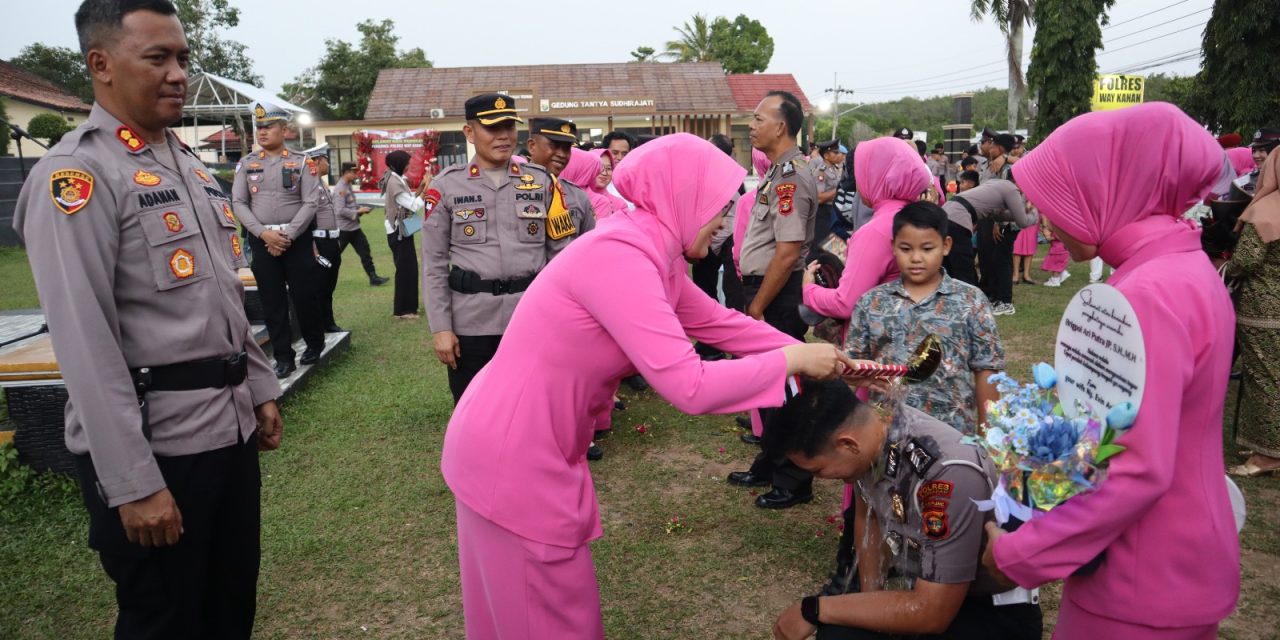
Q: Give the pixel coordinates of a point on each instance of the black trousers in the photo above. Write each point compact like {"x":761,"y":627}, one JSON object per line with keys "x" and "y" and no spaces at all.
{"x":361,"y":243}
{"x":293,"y":275}
{"x":204,"y":587}
{"x":331,"y":250}
{"x":706,"y":272}
{"x":822,"y":222}
{"x":977,"y":619}
{"x":477,"y":351}
{"x":959,"y":263}
{"x":782,"y":314}
{"x":996,"y":259}
{"x":405,"y":257}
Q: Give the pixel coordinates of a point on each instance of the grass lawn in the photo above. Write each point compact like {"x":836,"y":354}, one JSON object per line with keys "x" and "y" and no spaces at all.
{"x":358,"y":533}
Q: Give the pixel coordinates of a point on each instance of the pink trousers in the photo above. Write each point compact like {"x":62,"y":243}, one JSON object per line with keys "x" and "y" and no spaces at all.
{"x":1075,"y":623}
{"x":516,"y":589}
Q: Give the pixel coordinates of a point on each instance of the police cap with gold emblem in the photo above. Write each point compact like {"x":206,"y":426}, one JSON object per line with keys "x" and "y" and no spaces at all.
{"x":265,"y":113}
{"x":492,"y":108}
{"x":555,"y":129}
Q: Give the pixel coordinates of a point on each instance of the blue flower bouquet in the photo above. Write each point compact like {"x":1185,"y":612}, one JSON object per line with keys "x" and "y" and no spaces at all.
{"x":1042,"y":456}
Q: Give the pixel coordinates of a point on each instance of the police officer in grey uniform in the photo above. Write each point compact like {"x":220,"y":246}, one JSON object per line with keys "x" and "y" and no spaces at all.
{"x":772,"y":262}
{"x":550,"y":142}
{"x":134,"y":252}
{"x":491,"y":226}
{"x":826,"y":174}
{"x":275,"y":198}
{"x":350,"y":232}
{"x":917,"y":481}
{"x":325,"y":236}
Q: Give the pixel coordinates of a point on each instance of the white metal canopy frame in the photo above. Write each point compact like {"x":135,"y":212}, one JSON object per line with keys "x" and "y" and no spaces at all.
{"x":218,"y":99}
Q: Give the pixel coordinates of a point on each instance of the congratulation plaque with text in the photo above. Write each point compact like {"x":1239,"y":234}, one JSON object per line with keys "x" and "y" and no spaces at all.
{"x":1101,"y":359}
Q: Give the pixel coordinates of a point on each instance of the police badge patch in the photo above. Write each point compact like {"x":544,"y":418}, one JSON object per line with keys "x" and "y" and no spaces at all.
{"x":70,"y":189}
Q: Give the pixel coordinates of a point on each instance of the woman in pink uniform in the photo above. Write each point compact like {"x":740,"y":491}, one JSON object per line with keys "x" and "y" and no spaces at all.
{"x":618,"y":298}
{"x":1114,"y":184}
{"x":889,"y":175}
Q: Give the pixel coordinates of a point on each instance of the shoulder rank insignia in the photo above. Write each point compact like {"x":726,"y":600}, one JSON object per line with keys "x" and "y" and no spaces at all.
{"x":919,"y":457}
{"x":527,"y":183}
{"x":70,"y":189}
{"x":130,"y":139}
{"x":146,"y":179}
{"x":892,"y":461}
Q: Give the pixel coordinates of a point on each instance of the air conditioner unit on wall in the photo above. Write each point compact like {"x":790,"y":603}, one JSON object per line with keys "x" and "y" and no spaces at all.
{"x":437,"y":113}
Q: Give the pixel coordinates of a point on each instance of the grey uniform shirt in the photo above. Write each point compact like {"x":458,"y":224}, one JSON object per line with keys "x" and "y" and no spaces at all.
{"x":275,"y":190}
{"x":346,"y":207}
{"x":499,"y":232}
{"x":826,"y":176}
{"x":921,"y":492}
{"x":998,"y":199}
{"x":580,"y":209}
{"x":784,"y":210}
{"x":326,"y":209}
{"x":135,"y":265}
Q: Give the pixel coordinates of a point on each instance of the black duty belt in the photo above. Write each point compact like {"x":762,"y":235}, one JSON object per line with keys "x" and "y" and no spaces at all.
{"x":756,"y":281}
{"x":215,"y":373}
{"x":464,"y":281}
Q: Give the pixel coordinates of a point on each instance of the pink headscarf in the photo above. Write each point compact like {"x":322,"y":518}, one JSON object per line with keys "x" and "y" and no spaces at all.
{"x":614,"y":203}
{"x":680,"y":179}
{"x":1097,"y":175}
{"x":1241,"y":160}
{"x":889,"y":174}
{"x":582,"y":169}
{"x":742,"y":213}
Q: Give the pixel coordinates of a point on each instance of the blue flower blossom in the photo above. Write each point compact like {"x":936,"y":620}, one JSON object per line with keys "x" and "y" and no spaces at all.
{"x":1054,"y":440}
{"x":1046,"y":377}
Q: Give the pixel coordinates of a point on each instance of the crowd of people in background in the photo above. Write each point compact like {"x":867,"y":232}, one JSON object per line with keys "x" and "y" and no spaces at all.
{"x":552,"y":274}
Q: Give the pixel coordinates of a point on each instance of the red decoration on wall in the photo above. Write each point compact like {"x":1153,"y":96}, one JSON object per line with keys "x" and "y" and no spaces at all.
{"x":373,"y":145}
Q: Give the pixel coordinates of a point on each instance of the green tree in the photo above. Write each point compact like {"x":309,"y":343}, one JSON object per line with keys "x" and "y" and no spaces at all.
{"x":741,"y":46}
{"x":340,"y":85}
{"x":62,"y":66}
{"x":694,"y":44}
{"x":1011,"y":16}
{"x":1177,"y":90}
{"x":921,"y":114}
{"x":48,"y":126}
{"x":1063,"y":59}
{"x":204,"y":21}
{"x":1238,"y":87}
{"x":644,"y":54}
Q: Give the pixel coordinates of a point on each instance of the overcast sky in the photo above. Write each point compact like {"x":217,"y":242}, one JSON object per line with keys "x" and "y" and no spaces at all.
{"x":881,"y":50}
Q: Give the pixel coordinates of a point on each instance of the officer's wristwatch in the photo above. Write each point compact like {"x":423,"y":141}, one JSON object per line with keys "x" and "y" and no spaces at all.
{"x":809,"y":610}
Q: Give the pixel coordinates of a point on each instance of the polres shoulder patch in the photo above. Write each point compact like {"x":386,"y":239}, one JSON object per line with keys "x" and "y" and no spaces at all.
{"x":70,"y":189}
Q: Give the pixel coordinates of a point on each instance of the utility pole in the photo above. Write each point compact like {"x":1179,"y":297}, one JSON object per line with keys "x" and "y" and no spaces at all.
{"x":836,"y":90}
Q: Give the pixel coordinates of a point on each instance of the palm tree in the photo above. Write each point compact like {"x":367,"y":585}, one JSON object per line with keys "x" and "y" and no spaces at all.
{"x":1012,"y":16}
{"x":694,"y":44}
